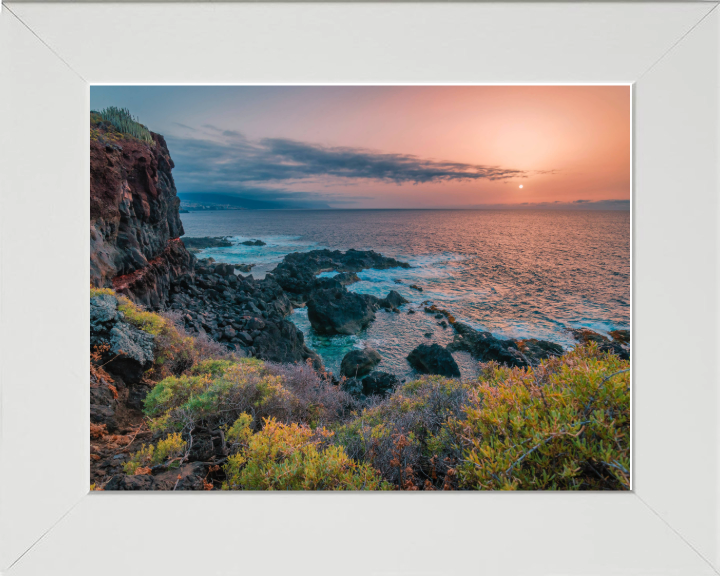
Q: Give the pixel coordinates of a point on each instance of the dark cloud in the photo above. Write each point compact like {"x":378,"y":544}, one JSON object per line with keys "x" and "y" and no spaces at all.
{"x":231,"y":161}
{"x":308,"y":160}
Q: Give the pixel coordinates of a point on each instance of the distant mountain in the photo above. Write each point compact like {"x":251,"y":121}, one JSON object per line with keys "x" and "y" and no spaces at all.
{"x":209,"y":199}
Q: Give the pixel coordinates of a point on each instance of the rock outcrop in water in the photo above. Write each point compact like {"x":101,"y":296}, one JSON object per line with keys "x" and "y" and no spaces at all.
{"x":485,"y":347}
{"x":359,"y":363}
{"x":334,"y":310}
{"x":194,"y":245}
{"x":297,"y":272}
{"x":433,"y":359}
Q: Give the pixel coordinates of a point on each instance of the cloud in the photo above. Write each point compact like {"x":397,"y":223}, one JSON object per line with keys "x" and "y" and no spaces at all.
{"x":228,"y":160}
{"x":302,"y":160}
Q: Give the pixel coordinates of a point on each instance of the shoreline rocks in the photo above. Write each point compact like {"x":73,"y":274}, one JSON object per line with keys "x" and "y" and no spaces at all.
{"x":195,"y":245}
{"x":297,"y":273}
{"x":485,"y":347}
{"x":359,"y":363}
{"x":433,"y":359}
{"x":131,"y":350}
{"x":334,"y":310}
{"x":619,"y":345}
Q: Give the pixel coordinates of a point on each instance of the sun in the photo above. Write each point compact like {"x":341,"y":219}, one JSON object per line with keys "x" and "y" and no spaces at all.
{"x":520,"y":186}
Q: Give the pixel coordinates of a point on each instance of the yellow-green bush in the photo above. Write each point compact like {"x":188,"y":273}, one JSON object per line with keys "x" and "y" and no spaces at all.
{"x":169,"y":448}
{"x":562,"y":426}
{"x":294,"y":457}
{"x":218,"y":395}
{"x":94,"y":291}
{"x":216,"y":391}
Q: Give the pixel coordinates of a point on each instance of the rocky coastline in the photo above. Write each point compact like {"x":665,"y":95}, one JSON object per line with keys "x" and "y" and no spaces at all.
{"x":140,"y":261}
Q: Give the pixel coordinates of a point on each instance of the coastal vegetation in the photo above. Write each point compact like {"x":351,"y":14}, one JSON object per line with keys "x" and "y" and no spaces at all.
{"x":563,"y":424}
{"x":123,"y":122}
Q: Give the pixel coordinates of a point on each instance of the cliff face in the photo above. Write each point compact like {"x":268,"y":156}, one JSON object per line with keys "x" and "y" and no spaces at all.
{"x":134,"y":217}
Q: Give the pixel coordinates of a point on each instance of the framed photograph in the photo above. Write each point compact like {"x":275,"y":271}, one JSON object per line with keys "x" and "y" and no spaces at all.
{"x":342,"y":253}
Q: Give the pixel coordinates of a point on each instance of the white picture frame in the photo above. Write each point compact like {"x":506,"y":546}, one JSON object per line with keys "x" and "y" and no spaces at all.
{"x":50,"y":53}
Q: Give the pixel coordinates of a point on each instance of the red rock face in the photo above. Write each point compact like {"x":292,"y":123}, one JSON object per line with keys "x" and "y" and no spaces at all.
{"x":150,"y":284}
{"x":134,"y":216}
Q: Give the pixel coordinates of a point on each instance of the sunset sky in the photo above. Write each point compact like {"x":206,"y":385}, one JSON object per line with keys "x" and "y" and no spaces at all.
{"x":392,"y":146}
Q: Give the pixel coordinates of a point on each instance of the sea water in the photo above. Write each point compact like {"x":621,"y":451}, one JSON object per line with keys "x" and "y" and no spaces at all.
{"x":515,"y":273}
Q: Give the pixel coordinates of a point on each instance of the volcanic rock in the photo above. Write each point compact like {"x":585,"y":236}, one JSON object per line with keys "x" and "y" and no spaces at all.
{"x":358,"y":363}
{"x":379,"y":384}
{"x":433,"y":359}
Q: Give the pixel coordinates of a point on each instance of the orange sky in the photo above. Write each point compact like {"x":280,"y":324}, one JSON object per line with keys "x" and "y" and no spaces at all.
{"x":571,"y":142}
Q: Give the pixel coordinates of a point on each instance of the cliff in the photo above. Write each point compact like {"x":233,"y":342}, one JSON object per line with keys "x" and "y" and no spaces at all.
{"x":134,"y":215}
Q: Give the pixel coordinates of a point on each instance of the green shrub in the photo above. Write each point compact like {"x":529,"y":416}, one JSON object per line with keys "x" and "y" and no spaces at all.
{"x":213,"y":367}
{"x":215,"y":400}
{"x":170,"y":448}
{"x":561,"y":426}
{"x":293,"y":457}
{"x":124,"y":122}
{"x":216,"y":391}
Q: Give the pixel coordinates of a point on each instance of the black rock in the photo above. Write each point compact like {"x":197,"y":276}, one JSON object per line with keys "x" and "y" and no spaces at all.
{"x":537,"y":350}
{"x":622,"y":336}
{"x":617,"y":347}
{"x":358,"y":363}
{"x":392,"y":300}
{"x":379,"y":384}
{"x":123,"y":482}
{"x":346,"y":278}
{"x":433,"y":359}
{"x":136,"y":396}
{"x":253,"y":243}
{"x":354,"y":387}
{"x":297,"y":272}
{"x":225,"y":269}
{"x":485,"y":347}
{"x":334,"y":310}
{"x":194,"y":245}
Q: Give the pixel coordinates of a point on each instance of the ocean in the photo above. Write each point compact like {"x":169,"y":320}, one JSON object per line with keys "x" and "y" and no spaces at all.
{"x":515,"y":273}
